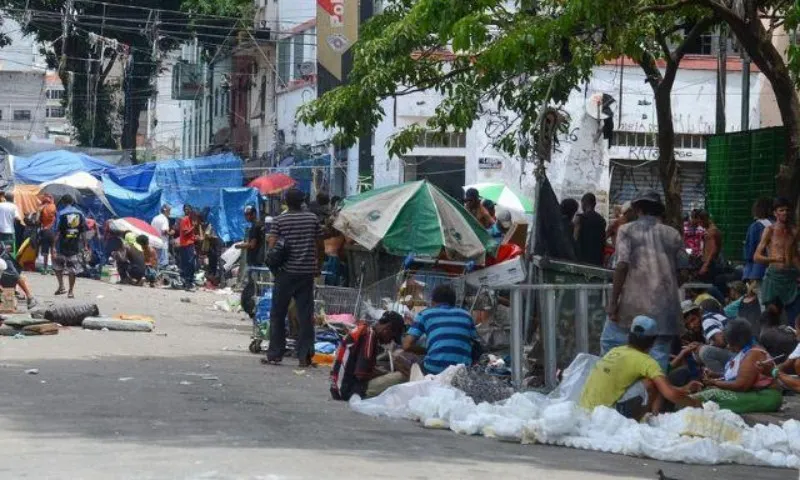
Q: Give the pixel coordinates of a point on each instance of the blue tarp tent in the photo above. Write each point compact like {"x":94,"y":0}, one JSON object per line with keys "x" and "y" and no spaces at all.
{"x":127,"y":203}
{"x":136,"y":178}
{"x":228,"y":219}
{"x":47,"y":166}
{"x":199,"y":181}
{"x":302,"y":171}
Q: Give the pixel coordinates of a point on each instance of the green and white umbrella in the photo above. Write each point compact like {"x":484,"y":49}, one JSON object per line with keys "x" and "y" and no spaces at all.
{"x":502,"y":196}
{"x":413,"y":218}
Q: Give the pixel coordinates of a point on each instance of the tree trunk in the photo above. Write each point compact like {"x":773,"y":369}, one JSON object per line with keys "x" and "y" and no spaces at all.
{"x":667,"y":165}
{"x":130,"y":129}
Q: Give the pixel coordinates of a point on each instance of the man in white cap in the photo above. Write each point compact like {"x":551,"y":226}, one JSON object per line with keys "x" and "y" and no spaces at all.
{"x":630,"y":381}
{"x":646,"y":279}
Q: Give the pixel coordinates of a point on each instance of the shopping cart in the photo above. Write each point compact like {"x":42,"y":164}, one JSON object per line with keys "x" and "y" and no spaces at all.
{"x":263,"y":280}
{"x":418,"y":278}
{"x":335,"y":300}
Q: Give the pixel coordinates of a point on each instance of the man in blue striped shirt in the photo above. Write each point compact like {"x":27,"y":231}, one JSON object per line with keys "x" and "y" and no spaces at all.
{"x":450,"y":332}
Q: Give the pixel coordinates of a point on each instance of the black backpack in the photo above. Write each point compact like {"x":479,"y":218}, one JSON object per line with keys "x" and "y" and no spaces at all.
{"x":276,"y":256}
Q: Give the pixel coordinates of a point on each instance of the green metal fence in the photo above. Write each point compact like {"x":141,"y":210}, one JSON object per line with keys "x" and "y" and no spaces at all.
{"x":740,"y":167}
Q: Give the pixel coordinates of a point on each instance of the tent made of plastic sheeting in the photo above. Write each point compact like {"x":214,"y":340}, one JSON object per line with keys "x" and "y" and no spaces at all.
{"x":84,"y":181}
{"x":312,"y":174}
{"x":26,"y":198}
{"x":136,"y":178}
{"x":198,"y":181}
{"x":228,"y":218}
{"x":47,"y":166}
{"x":127,"y":203}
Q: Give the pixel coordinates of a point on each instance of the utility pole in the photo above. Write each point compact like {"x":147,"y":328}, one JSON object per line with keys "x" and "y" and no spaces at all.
{"x":722,"y":70}
{"x":152,"y":117}
{"x":745,"y":90}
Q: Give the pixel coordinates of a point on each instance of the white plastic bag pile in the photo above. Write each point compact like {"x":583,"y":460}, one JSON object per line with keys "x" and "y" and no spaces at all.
{"x":696,"y":436}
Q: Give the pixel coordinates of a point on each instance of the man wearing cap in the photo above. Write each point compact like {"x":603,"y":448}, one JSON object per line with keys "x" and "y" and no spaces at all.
{"x":645,"y":279}
{"x":630,"y":381}
{"x":472,"y":202}
{"x":502,"y":225}
{"x":705,"y":323}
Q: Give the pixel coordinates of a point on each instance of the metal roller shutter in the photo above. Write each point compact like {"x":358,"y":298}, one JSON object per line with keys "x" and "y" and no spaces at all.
{"x":629,"y":177}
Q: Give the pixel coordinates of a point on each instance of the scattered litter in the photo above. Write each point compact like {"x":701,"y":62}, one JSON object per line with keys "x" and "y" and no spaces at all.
{"x":161,"y":334}
{"x":210,"y":378}
{"x":32,"y":371}
{"x":185,"y":382}
{"x":104,"y":329}
{"x":100,"y":297}
{"x":207,"y":365}
{"x":216,"y":385}
{"x":18,"y":336}
{"x":186,"y":300}
{"x":43,"y":381}
{"x":299,"y":373}
{"x":125,"y":379}
{"x":231,"y":304}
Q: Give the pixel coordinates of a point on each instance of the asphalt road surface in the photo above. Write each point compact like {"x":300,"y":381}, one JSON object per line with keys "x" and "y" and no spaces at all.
{"x":189,"y":402}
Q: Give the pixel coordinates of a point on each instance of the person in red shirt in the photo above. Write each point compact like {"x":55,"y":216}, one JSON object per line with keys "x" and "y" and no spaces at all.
{"x":187,"y":236}
{"x":47,"y":235}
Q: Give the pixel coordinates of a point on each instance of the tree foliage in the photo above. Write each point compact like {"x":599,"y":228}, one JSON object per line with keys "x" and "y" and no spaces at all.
{"x":133,"y":23}
{"x":490,"y":58}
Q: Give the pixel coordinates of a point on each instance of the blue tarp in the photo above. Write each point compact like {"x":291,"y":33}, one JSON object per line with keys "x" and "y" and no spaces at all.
{"x":47,"y":166}
{"x":127,"y":203}
{"x":136,"y":178}
{"x":228,"y":219}
{"x":302,"y":171}
{"x":199,"y":181}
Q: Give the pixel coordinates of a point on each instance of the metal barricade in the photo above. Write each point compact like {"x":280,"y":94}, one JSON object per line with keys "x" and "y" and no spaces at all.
{"x":549,"y":326}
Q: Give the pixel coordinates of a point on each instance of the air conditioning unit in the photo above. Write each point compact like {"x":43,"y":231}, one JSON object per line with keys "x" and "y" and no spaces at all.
{"x":307,"y":69}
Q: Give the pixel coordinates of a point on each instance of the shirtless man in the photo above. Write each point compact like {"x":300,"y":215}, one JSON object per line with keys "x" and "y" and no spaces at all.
{"x":712,"y":246}
{"x":778,"y":250}
{"x":472,"y":202}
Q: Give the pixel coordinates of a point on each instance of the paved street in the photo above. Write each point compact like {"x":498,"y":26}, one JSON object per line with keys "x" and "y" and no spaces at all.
{"x":190,"y":402}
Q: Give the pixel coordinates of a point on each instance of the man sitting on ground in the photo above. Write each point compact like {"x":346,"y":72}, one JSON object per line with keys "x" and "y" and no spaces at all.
{"x":450,"y":333}
{"x":628,"y":379}
{"x":354,"y":371}
{"x":786,"y":373}
{"x":778,"y":339}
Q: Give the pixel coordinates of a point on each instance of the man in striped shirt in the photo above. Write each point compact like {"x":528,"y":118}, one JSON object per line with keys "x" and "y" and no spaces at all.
{"x":450,"y":332}
{"x":302,"y":237}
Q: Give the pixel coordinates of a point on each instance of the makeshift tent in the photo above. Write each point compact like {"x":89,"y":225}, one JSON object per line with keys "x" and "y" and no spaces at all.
{"x":228,"y":219}
{"x":136,"y":178}
{"x":84,"y":182}
{"x":413,"y":218}
{"x":26,"y":198}
{"x":310,"y":174}
{"x":47,"y":166}
{"x":127,"y":203}
{"x":273,"y":184}
{"x":197,"y":182}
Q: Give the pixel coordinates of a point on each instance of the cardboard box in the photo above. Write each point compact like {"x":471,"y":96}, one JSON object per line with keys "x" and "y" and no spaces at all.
{"x":8,"y":301}
{"x":506,"y":273}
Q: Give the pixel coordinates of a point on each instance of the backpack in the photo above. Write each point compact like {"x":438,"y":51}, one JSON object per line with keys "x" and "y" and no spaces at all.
{"x":276,"y":256}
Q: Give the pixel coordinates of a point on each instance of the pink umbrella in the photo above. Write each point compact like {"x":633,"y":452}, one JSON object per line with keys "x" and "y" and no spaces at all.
{"x":138,"y":227}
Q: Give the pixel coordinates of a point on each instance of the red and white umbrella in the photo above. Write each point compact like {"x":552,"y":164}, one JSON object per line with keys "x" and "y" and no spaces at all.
{"x":137,"y":227}
{"x":273,"y":184}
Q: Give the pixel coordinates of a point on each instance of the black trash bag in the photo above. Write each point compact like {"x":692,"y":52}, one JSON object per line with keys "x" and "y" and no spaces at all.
{"x":71,"y":315}
{"x":248,"y":300}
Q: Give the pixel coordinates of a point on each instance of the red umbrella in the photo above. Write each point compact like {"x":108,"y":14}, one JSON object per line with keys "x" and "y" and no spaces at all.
{"x":138,"y":227}
{"x":272,"y":184}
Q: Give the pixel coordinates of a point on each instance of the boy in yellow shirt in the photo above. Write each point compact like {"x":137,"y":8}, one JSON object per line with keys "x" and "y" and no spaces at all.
{"x":630,"y":380}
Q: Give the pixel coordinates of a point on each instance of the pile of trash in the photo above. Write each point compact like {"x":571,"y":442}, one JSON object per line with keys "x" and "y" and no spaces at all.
{"x":25,"y":325}
{"x":87,"y":315}
{"x":705,"y":435}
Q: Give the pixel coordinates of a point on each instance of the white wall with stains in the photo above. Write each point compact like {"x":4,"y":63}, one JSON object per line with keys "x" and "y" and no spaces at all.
{"x":583,"y":157}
